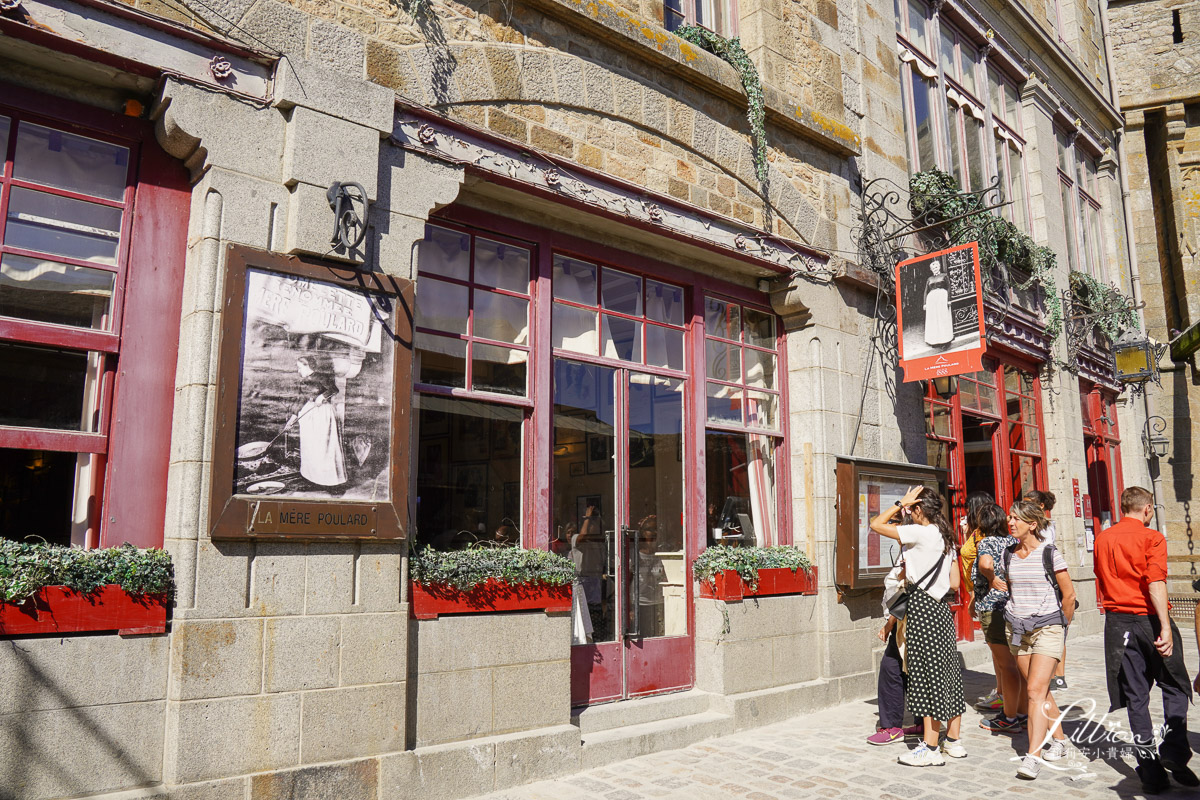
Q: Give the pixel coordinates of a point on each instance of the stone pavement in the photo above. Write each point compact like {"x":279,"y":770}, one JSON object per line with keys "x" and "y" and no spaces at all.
{"x":824,"y":755}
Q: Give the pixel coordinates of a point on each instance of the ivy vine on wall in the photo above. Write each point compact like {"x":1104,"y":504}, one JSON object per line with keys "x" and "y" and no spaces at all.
{"x":730,"y":51}
{"x":1109,"y":309}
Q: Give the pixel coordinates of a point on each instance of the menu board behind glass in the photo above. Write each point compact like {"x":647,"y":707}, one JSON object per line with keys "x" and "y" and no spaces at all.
{"x":865,"y":488}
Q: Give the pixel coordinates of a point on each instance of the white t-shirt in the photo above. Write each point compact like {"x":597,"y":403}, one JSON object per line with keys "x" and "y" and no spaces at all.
{"x":923,"y":546}
{"x":1048,"y":532}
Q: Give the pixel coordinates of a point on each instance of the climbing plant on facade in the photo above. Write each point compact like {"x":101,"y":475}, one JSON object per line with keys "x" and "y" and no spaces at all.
{"x":730,"y":51}
{"x":1106,"y":306}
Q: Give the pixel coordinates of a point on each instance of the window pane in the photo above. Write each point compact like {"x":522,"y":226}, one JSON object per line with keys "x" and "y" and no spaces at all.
{"x":996,"y":91}
{"x":968,"y":393}
{"x":953,"y":121}
{"x":621,"y":293}
{"x":1064,"y":153}
{"x":724,"y":403}
{"x":574,"y":280}
{"x":664,"y":347}
{"x":1023,"y":475}
{"x":664,"y":303}
{"x":37,"y":495}
{"x":760,"y":328}
{"x":740,"y":484}
{"x":501,"y":317}
{"x":968,"y":59}
{"x":916,"y":24}
{"x":621,"y":338}
{"x":442,"y":306}
{"x":762,"y":410}
{"x":1002,"y":173}
{"x":46,"y":388}
{"x":1012,"y":106}
{"x":947,"y":53}
{"x":66,"y":161}
{"x":1089,"y":260}
{"x":573,"y":329}
{"x":975,"y":159}
{"x":1069,"y":216}
{"x":62,"y":226}
{"x":5,"y":125}
{"x":923,"y":118}
{"x":44,"y":291}
{"x":722,"y":319}
{"x":937,"y":453}
{"x":502,"y":266}
{"x":1097,"y":240}
{"x":989,"y":401}
{"x":673,"y":16}
{"x":443,"y":361}
{"x":445,"y":252}
{"x":723,"y":361}
{"x":939,"y":420}
{"x":468,"y":473}
{"x":498,"y":369}
{"x":760,"y":369}
{"x":1018,"y":188}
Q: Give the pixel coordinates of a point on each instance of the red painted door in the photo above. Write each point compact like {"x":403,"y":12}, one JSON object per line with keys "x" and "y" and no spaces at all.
{"x":619,"y":484}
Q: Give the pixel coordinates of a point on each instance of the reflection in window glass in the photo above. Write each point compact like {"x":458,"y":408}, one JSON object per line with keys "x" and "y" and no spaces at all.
{"x":722,"y":319}
{"x":66,"y":161}
{"x":1023,"y":475}
{"x":442,"y":306}
{"x":574,"y":281}
{"x":46,"y":388}
{"x":923,"y":118}
{"x":1018,"y":188}
{"x":469,"y":473}
{"x":968,"y":61}
{"x":916,"y":23}
{"x":63,"y":226}
{"x":723,"y":361}
{"x":975,"y":168}
{"x":724,"y":403}
{"x":573,"y":329}
{"x":664,"y":347}
{"x":443,"y":361}
{"x":445,"y":252}
{"x":664,"y":303}
{"x":760,"y":328}
{"x":63,"y":294}
{"x":503,"y":266}
{"x":740,"y":477}
{"x":760,"y":369}
{"x":762,"y":410}
{"x":1069,"y":217}
{"x":621,"y":293}
{"x":501,"y":317}
{"x":498,"y":369}
{"x":621,"y":338}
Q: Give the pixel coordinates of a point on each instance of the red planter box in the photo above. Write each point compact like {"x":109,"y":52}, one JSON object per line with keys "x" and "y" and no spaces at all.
{"x":57,"y":609}
{"x":428,"y":602}
{"x":728,"y":585}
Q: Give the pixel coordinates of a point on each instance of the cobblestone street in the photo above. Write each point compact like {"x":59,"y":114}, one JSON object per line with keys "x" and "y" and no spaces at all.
{"x":825,"y":755}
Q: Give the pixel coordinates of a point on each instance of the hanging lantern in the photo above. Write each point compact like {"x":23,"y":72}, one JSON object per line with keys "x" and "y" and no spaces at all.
{"x":1136,"y":358}
{"x":946,"y":386}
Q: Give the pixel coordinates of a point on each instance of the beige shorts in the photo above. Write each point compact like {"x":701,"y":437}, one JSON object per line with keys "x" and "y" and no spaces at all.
{"x":1047,"y":641}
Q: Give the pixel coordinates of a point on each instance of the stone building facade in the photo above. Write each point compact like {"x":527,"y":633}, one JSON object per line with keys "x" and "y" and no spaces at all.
{"x":1156,"y":49}
{"x":588,"y":140}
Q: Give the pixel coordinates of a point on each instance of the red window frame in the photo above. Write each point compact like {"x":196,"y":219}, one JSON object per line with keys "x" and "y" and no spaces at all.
{"x":1102,"y":440}
{"x":132,"y":437}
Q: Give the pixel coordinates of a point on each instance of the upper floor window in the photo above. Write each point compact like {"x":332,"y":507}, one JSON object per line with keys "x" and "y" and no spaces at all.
{"x":719,"y":16}
{"x":1078,"y":190}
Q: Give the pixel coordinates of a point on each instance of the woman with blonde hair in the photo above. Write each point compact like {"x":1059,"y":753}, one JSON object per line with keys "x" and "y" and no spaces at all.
{"x":1041,"y":604}
{"x":935,"y":687}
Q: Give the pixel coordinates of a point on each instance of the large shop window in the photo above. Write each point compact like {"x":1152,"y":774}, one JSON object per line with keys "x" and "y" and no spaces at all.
{"x":960,"y":114}
{"x":473,"y":347}
{"x":743,"y":430}
{"x":65,"y":204}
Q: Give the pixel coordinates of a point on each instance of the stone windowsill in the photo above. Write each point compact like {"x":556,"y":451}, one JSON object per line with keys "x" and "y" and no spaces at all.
{"x":650,"y":41}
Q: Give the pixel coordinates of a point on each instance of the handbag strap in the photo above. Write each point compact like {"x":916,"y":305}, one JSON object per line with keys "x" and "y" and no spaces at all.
{"x":932,"y":573}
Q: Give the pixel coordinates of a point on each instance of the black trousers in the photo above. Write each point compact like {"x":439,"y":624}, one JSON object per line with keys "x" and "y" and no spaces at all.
{"x":893,"y":684}
{"x":1141,"y":668}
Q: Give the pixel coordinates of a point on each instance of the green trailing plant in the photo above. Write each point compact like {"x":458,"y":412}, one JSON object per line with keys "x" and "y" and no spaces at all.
{"x":26,"y":567}
{"x":747,"y":561}
{"x":936,"y":199}
{"x":730,"y":51}
{"x":1106,"y":306}
{"x":466,"y":569}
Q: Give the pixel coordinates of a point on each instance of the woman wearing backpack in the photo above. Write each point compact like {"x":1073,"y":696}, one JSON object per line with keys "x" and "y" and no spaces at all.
{"x":935,"y":688}
{"x":1041,"y":603}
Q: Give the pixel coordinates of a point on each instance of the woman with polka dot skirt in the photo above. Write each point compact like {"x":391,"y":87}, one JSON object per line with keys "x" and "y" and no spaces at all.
{"x":935,"y":688}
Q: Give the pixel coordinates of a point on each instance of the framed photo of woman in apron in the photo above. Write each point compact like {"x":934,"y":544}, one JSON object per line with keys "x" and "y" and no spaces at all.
{"x":312,"y":436}
{"x":939,"y":313}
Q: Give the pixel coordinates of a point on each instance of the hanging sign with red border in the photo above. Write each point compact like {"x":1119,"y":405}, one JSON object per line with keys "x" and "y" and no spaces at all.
{"x":939,"y":313}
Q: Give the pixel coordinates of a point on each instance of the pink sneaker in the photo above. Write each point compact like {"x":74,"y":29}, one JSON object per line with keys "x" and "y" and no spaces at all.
{"x":886,"y":736}
{"x":914,"y":730}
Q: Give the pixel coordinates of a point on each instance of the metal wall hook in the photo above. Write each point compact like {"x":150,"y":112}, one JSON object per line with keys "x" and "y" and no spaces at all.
{"x":349,"y":226}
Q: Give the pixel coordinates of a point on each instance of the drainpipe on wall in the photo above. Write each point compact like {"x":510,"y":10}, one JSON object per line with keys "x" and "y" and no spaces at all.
{"x":1135,"y":278}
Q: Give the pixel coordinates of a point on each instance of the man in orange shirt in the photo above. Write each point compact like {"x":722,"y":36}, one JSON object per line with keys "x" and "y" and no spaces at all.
{"x":1142,"y":646}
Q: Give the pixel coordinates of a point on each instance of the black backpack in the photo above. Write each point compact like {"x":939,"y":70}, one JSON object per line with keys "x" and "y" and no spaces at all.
{"x":1047,"y":564}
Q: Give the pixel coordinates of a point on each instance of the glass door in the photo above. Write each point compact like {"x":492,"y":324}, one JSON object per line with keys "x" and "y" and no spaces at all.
{"x":618,"y":499}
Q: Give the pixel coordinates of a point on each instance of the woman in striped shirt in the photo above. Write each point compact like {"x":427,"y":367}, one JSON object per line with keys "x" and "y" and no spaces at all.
{"x":1041,"y":603}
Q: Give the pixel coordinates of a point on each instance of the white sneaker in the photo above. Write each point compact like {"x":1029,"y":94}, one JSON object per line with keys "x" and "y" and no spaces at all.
{"x":1030,"y":767}
{"x":954,"y":749}
{"x":1056,"y":751}
{"x":922,"y":756}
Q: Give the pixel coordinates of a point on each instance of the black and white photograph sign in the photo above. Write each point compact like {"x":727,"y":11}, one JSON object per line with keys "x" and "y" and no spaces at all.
{"x":316,"y":385}
{"x":939,"y":307}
